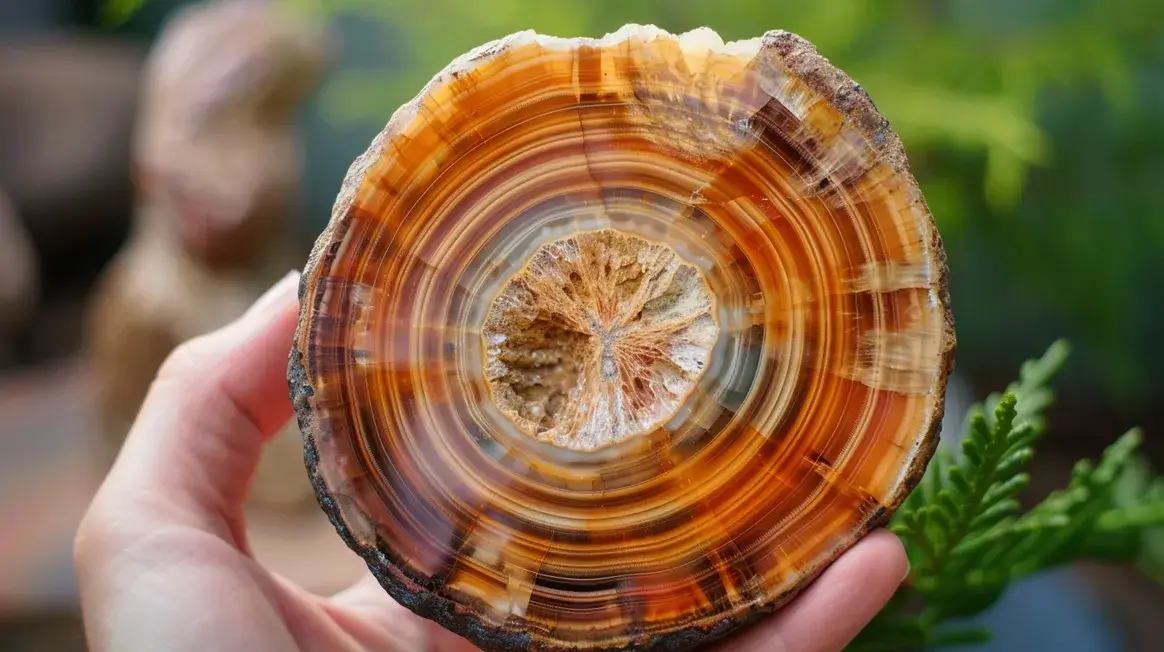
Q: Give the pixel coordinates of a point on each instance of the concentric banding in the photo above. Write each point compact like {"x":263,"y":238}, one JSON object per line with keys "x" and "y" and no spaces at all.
{"x":758,"y":163}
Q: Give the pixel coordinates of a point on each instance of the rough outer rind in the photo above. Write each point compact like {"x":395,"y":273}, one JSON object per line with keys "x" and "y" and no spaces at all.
{"x":850,"y":98}
{"x":798,"y":57}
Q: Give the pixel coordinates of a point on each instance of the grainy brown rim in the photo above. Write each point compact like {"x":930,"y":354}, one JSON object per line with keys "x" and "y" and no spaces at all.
{"x":801,"y":59}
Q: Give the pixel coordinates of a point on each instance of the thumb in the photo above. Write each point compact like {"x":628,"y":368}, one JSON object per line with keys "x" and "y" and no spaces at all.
{"x":195,"y":445}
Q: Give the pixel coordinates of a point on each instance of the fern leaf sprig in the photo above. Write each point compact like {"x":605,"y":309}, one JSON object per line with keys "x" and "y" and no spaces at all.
{"x":965,"y":535}
{"x":961,"y":500}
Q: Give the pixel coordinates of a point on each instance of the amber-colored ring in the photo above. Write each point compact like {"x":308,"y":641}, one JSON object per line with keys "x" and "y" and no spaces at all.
{"x":767,"y":165}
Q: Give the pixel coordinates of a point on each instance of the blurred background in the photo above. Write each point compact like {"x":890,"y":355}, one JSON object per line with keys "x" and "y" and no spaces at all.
{"x":1034,"y":128}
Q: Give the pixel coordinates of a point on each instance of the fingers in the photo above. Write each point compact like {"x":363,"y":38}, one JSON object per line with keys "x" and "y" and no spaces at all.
{"x":367,"y":612}
{"x":197,"y":439}
{"x":373,"y":617}
{"x":834,"y":608}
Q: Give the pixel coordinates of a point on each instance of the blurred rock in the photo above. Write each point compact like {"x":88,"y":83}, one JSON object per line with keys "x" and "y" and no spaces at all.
{"x":216,"y":167}
{"x":19,"y":281}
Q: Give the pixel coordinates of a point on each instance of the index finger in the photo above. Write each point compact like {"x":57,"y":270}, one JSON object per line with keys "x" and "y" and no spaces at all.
{"x":195,"y":445}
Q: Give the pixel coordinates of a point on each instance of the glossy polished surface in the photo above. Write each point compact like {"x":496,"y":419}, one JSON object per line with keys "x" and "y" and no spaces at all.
{"x":566,"y":483}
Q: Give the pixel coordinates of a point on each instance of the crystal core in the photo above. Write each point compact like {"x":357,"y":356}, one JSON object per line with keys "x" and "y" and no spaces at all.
{"x":598,"y":338}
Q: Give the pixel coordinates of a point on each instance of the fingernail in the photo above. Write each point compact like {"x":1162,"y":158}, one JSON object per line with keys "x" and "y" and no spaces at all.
{"x":907,"y":570}
{"x":273,"y":296}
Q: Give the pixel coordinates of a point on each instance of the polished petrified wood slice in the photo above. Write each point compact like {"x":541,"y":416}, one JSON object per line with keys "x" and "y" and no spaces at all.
{"x":617,"y":343}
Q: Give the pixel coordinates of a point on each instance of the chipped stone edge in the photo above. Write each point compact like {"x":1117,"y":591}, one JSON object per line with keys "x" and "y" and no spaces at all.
{"x":800,"y":58}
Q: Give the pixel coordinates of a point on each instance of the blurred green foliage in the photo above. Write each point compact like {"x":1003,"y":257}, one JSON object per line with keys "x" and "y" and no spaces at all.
{"x":1033,"y":127}
{"x":947,"y":74}
{"x":116,"y":12}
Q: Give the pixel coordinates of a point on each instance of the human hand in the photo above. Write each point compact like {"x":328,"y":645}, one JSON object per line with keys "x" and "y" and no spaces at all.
{"x":162,"y":558}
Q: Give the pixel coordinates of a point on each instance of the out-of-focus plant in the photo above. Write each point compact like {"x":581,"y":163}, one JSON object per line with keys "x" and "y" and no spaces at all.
{"x":968,"y":539}
{"x":944,"y":72}
{"x":116,"y":12}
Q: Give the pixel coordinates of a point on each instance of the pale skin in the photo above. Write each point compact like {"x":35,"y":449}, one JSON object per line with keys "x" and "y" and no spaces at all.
{"x":162,"y":557}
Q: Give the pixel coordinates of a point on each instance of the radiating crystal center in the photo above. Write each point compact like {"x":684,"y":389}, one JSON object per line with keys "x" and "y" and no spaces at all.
{"x":599,"y":337}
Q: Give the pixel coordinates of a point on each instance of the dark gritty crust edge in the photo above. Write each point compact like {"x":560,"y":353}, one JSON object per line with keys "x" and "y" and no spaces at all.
{"x":800,"y":58}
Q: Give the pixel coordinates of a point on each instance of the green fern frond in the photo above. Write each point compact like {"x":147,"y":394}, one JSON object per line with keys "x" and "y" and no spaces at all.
{"x":967,"y":539}
{"x":1033,"y":387}
{"x":971,"y":501}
